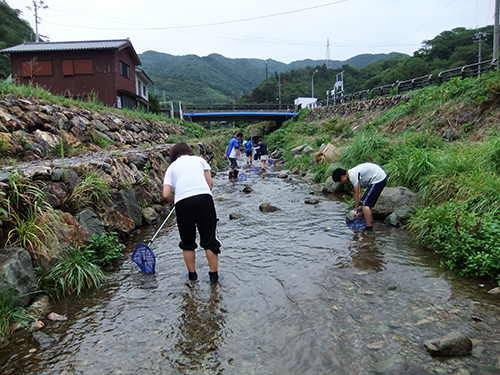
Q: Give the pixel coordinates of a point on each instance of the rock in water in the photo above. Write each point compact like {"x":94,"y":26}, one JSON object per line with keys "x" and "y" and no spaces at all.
{"x":455,"y":343}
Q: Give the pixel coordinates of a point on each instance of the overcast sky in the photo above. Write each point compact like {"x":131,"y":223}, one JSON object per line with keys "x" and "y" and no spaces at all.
{"x":283,"y":30}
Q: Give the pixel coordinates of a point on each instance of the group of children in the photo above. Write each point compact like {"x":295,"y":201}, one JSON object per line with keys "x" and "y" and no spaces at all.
{"x":253,"y":153}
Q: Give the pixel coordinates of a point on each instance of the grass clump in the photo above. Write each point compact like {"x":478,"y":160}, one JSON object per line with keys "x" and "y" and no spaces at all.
{"x":12,"y":315}
{"x":92,"y":191}
{"x":81,"y":267}
{"x":73,"y":273}
{"x":31,"y":215}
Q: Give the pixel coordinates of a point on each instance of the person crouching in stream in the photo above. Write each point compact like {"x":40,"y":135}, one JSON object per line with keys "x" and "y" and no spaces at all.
{"x":190,"y":178}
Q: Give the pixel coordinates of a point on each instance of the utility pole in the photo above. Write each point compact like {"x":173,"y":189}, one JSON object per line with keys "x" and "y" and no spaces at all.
{"x":279,"y":89}
{"x":480,"y":37}
{"x":312,"y":83}
{"x":267,"y":96}
{"x":496,"y":33}
{"x":36,"y":6}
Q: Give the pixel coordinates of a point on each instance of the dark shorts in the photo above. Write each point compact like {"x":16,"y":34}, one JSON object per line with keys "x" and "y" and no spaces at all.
{"x":372,"y":193}
{"x":256,"y":157}
{"x":249,"y":153}
{"x":197,"y":212}
{"x":233,"y":162}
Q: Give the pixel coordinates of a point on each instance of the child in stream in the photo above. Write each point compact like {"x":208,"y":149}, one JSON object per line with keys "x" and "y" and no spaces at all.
{"x":367,"y":175}
{"x":190,"y":178}
{"x":232,"y":152}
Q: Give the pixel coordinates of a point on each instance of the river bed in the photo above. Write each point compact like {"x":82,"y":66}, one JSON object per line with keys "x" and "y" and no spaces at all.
{"x":300,"y":293}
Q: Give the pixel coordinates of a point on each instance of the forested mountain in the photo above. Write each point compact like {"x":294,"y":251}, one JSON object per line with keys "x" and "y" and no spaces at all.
{"x":13,"y":31}
{"x":218,"y":79}
{"x":450,"y":49}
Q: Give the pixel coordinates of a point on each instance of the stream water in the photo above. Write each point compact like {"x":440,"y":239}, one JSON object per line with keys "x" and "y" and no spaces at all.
{"x":300,"y":293}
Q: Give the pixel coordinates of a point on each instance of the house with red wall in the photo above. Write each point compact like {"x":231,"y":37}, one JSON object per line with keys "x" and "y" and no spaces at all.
{"x":83,"y":69}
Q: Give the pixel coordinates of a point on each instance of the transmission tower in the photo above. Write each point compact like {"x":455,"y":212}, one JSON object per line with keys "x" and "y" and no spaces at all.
{"x":328,"y":60}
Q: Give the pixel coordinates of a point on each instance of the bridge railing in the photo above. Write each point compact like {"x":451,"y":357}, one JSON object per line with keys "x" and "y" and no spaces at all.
{"x":400,"y":87}
{"x":237,"y":107}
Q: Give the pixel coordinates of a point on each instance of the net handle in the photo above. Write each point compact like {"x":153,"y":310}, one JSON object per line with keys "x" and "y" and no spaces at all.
{"x":159,"y":229}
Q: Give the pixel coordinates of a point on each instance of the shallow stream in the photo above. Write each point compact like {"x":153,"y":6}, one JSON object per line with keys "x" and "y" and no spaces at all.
{"x":300,"y":293}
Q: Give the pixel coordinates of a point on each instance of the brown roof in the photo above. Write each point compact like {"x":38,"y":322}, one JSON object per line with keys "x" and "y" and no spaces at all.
{"x":115,"y":44}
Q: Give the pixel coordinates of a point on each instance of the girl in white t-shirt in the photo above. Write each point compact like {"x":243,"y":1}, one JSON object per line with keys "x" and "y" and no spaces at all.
{"x":190,"y":178}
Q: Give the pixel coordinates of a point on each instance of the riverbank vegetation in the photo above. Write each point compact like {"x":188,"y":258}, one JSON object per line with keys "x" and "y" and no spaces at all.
{"x":444,"y":144}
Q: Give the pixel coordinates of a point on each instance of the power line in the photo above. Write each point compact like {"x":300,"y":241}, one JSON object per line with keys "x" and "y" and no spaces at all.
{"x":222,"y":22}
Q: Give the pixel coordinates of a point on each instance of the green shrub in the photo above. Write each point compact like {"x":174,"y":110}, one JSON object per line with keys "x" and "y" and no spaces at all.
{"x":103,"y":249}
{"x":467,"y":241}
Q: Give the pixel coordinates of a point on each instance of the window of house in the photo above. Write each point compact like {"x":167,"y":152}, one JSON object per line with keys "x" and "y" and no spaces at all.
{"x":84,"y":66}
{"x":35,"y":68}
{"x":124,"y":70}
{"x":144,"y":90}
{"x":76,"y":67}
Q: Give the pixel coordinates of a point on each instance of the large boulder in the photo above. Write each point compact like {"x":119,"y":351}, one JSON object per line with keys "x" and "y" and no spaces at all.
{"x":17,"y":276}
{"x":327,"y":154}
{"x":90,"y":221}
{"x":453,"y":344}
{"x":399,"y":201}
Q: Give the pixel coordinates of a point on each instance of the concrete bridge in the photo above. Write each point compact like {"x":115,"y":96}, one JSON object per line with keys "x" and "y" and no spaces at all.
{"x":239,"y":112}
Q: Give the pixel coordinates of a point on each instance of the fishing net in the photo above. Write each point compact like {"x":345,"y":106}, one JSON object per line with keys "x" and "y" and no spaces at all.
{"x":144,"y":257}
{"x":270,"y":161}
{"x":242,"y":177}
{"x":358,"y":223}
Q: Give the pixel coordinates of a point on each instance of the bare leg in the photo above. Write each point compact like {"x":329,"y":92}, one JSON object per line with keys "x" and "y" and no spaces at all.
{"x":213,"y":260}
{"x":367,"y":213}
{"x":189,"y":259}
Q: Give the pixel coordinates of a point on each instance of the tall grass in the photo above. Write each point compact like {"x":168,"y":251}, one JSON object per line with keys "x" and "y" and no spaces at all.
{"x":73,"y":273}
{"x":11,"y":314}
{"x":92,"y":191}
{"x":32,"y":216}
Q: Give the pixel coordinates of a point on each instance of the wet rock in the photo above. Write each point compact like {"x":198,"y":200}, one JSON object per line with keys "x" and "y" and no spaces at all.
{"x":90,"y":221}
{"x":72,"y":230}
{"x":494,"y":291}
{"x":55,"y":317}
{"x":17,"y":276}
{"x":311,"y":201}
{"x":332,"y":187}
{"x":398,"y":200}
{"x":247,"y":189}
{"x":45,"y":341}
{"x":57,"y":193}
{"x":150,"y":215}
{"x":235,"y":216}
{"x":133,"y":207}
{"x":283,"y":175}
{"x":36,"y":326}
{"x":453,"y":344}
{"x":268,"y":207}
{"x":394,"y":365}
{"x":40,"y":305}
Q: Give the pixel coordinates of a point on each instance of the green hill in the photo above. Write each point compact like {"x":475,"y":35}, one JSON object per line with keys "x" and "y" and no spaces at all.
{"x":218,"y":79}
{"x":13,"y":31}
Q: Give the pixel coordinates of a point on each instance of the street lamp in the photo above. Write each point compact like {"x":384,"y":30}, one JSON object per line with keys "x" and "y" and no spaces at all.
{"x":312,"y":83}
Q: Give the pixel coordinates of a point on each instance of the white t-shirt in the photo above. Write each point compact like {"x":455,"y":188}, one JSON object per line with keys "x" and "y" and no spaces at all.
{"x":186,"y":175}
{"x":370,"y":174}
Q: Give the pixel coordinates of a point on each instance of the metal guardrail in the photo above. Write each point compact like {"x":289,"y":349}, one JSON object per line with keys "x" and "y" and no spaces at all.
{"x":400,"y":87}
{"x":237,"y":107}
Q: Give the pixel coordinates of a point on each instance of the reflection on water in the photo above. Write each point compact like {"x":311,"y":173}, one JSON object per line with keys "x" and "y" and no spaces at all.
{"x":200,"y":331}
{"x":300,"y":293}
{"x":365,"y":253}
